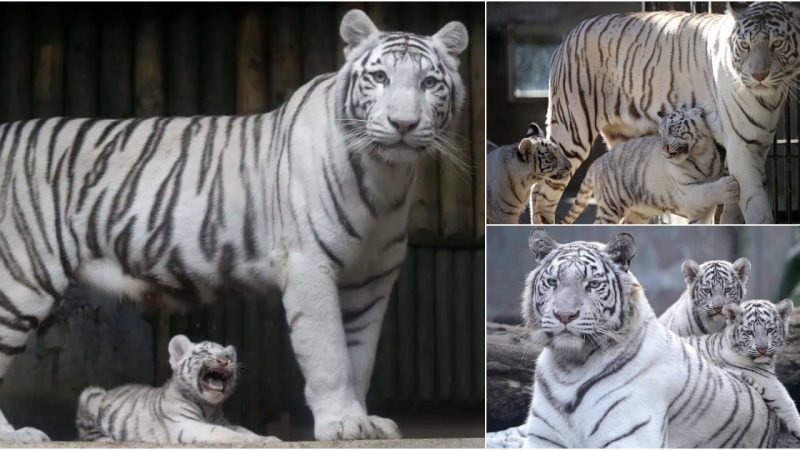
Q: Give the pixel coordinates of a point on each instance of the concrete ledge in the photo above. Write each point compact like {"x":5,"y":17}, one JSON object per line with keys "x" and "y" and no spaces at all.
{"x":389,"y":443}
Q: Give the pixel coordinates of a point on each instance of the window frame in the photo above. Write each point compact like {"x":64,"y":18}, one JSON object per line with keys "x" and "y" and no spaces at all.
{"x":512,"y":33}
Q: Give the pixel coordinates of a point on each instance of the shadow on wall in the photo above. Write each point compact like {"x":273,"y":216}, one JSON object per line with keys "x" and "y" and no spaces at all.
{"x":660,"y":251}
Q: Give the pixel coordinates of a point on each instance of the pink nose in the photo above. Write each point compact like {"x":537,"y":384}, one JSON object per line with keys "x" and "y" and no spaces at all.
{"x":222,"y":362}
{"x":762,"y":350}
{"x":718,"y":309}
{"x":565,"y":317}
{"x":403,"y":126}
{"x":759,"y":76}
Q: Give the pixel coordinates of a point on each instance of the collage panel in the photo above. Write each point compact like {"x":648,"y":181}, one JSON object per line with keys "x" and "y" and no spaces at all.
{"x":633,"y":336}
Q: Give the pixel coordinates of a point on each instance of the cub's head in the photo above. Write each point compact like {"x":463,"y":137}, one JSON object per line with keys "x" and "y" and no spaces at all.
{"x":765,"y":44}
{"x":204,"y":372}
{"x":399,"y":93}
{"x":581,"y":295}
{"x":682,"y":131}
{"x":757,"y":329}
{"x":541,"y":156}
{"x":714,"y":284}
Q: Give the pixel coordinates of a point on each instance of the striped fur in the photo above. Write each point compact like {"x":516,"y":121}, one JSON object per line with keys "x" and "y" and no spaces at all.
{"x":756,"y":330}
{"x":312,"y":198}
{"x":613,"y":74}
{"x":610,"y":374}
{"x":512,"y":170}
{"x":709,"y":288}
{"x":186,"y":409}
{"x":679,"y":172}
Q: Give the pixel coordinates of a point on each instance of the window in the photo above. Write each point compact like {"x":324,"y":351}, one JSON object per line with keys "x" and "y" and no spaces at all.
{"x":530,"y":50}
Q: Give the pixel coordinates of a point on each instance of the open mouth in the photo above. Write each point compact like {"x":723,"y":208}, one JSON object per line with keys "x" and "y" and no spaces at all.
{"x":215,"y":379}
{"x":679,"y":150}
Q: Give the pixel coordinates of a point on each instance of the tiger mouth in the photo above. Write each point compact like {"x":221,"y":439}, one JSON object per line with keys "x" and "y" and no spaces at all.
{"x":215,"y":379}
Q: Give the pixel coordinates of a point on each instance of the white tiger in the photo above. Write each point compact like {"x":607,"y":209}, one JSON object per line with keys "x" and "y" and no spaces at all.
{"x":679,"y":172}
{"x":186,"y":409}
{"x":610,"y":374}
{"x":312,"y":198}
{"x":512,"y":170}
{"x":613,"y":73}
{"x":709,"y":287}
{"x":755,"y":332}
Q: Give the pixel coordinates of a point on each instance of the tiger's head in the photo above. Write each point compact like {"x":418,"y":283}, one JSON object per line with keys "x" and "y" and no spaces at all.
{"x":399,"y":93}
{"x":765,"y":44}
{"x":757,"y":329}
{"x":682,"y":131}
{"x":541,"y":156}
{"x":204,"y":372}
{"x":714,"y":284}
{"x":581,"y":296}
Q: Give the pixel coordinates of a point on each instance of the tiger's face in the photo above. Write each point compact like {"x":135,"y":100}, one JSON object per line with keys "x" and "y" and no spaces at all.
{"x":579,"y":296}
{"x":757,"y":329}
{"x":400,"y":92}
{"x":715,"y":284}
{"x":540,"y":157}
{"x":681,"y":131}
{"x":205,"y":372}
{"x":765,"y":44}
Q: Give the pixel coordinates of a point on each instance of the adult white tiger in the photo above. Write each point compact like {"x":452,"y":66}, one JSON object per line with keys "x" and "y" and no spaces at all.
{"x":612,"y":74}
{"x":610,"y":374}
{"x":312,"y":198}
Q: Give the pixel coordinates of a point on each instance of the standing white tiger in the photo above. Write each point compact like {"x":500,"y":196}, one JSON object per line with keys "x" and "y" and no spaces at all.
{"x":610,"y":374}
{"x":678,"y":172}
{"x":511,"y":171}
{"x":709,"y":287}
{"x":312,"y":198}
{"x":613,"y":74}
{"x":755,"y":332}
{"x":186,"y":409}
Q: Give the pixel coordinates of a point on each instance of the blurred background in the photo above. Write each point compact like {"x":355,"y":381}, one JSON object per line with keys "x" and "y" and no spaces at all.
{"x":521,"y":38}
{"x":126,"y":60}
{"x":660,"y":251}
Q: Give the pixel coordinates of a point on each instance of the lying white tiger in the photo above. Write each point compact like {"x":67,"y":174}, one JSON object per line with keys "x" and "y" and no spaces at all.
{"x":709,"y":287}
{"x":511,"y":172}
{"x":312,"y":199}
{"x":186,"y":409}
{"x":610,"y":374}
{"x":756,"y":331}
{"x":680,"y":172}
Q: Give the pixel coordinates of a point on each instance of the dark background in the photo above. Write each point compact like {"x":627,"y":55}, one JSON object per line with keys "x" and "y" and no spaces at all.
{"x":125,"y":60}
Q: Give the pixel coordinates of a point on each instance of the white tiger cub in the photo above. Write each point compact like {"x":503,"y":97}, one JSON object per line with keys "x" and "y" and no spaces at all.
{"x":512,"y":170}
{"x":709,"y":288}
{"x":756,"y":331}
{"x":610,"y":374}
{"x":312,"y":199}
{"x":680,"y":172}
{"x":186,"y":409}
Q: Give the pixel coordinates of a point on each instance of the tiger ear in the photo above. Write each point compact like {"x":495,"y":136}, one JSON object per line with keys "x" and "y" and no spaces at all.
{"x":534,"y":130}
{"x":742,"y":268}
{"x":732,"y":312}
{"x":524,"y":150}
{"x":178,"y":346}
{"x":540,"y":243}
{"x":356,"y":27}
{"x":454,"y":36}
{"x":690,"y":270}
{"x":231,"y":351}
{"x":785,"y":308}
{"x":737,"y":8}
{"x":622,"y":249}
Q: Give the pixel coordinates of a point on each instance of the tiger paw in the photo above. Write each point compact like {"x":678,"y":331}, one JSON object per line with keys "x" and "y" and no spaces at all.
{"x":730,"y":189}
{"x":26,"y":434}
{"x":357,"y":427}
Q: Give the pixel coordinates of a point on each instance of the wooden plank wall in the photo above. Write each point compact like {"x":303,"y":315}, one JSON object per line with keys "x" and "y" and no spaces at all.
{"x":144,"y":60}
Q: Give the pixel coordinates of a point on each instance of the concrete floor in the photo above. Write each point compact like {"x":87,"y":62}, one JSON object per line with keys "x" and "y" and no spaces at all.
{"x":398,"y":443}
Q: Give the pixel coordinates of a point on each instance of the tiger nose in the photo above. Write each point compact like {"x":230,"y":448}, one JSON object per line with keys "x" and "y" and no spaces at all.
{"x":565,"y":317}
{"x":761,"y":350}
{"x":718,"y":309}
{"x":222,"y":362}
{"x":403,"y":126}
{"x":759,"y":76}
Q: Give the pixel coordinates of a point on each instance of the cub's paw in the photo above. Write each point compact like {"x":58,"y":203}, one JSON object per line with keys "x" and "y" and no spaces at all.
{"x":26,"y":434}
{"x":357,"y":427}
{"x":731,"y":189}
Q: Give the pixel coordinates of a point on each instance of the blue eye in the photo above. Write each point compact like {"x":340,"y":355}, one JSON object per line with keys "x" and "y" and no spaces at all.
{"x":594,"y":284}
{"x":552,"y":282}
{"x":380,"y":77}
{"x":429,"y":82}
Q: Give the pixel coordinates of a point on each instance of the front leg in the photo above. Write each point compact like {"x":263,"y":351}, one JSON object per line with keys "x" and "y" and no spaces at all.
{"x":193,"y":432}
{"x":778,"y":399}
{"x":315,"y":325}
{"x":746,"y":164}
{"x":699,"y":199}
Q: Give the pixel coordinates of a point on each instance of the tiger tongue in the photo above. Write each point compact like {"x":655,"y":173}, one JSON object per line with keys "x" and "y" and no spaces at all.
{"x":215,"y":383}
